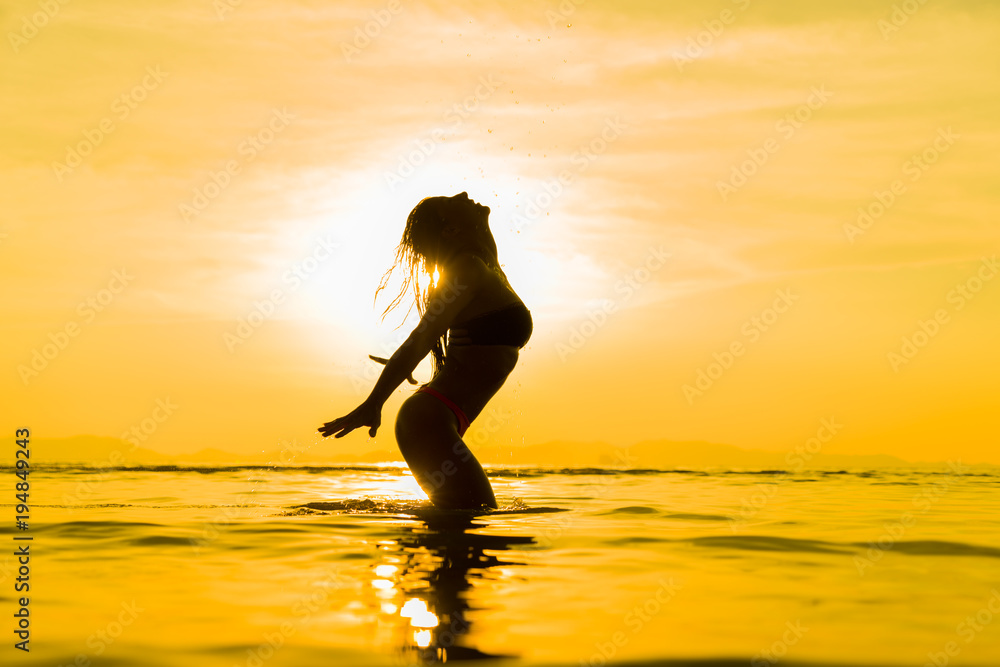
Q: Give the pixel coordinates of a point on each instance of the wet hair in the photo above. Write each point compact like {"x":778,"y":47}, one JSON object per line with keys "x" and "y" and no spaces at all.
{"x":417,"y":252}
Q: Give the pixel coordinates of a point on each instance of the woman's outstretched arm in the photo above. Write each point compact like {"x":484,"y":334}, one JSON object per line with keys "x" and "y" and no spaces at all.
{"x":448,"y":301}
{"x":369,"y":413}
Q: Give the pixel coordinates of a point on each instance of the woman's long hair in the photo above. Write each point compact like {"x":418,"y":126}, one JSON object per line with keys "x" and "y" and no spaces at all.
{"x":420,"y":243}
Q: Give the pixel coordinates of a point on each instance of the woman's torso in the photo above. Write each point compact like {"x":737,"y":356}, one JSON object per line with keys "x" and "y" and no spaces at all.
{"x":472,"y":374}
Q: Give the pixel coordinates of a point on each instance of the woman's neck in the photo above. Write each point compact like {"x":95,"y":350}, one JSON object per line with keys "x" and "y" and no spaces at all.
{"x":484,"y":251}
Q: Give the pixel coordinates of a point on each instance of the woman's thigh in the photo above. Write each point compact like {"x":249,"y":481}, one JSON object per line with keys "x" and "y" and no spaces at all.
{"x":439,"y":459}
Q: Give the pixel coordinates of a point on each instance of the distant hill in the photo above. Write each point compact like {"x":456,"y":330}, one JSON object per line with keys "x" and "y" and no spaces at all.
{"x":97,"y":451}
{"x":671,"y":454}
{"x":102,"y":451}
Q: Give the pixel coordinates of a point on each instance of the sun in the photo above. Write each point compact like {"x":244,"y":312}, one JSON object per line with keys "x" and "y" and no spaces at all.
{"x":366,"y":216}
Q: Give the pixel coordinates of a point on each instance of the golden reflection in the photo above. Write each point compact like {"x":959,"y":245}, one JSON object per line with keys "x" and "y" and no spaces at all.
{"x":422,"y":638}
{"x":385,"y":571}
{"x":416,"y":610}
{"x":433,"y":570}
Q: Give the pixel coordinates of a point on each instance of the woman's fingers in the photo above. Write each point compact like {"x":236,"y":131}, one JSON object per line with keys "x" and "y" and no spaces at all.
{"x":337,"y":431}
{"x":333,"y":423}
{"x":338,"y":424}
{"x":363,"y":415}
{"x":341,"y":426}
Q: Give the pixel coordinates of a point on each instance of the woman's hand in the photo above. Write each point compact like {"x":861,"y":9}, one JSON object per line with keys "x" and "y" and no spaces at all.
{"x":363,"y":415}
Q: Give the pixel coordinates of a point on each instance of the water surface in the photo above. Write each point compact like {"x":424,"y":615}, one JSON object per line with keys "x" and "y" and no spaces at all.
{"x":346,"y":565}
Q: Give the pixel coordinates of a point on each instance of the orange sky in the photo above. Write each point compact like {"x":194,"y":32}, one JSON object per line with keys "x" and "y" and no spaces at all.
{"x":670,"y":183}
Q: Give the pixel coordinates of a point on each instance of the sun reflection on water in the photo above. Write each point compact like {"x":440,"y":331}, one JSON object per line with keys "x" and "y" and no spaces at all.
{"x":424,"y":581}
{"x":416,"y":610}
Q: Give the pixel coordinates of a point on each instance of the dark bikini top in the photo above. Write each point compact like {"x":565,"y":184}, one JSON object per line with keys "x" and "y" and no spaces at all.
{"x":509,"y":325}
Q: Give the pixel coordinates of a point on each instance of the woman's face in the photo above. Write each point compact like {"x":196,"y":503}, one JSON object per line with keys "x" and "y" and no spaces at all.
{"x":465,"y":222}
{"x":460,"y":211}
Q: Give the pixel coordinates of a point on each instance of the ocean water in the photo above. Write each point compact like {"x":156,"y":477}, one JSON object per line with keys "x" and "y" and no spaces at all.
{"x":347,"y":566}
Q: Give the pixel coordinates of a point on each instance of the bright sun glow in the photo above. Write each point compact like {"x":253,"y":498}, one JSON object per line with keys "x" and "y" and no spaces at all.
{"x":416,"y":610}
{"x":385,"y":571}
{"x":422,"y":638}
{"x":342,"y":293}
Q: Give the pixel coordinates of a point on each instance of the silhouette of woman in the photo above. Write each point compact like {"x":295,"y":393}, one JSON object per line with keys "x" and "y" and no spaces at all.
{"x":487,"y":324}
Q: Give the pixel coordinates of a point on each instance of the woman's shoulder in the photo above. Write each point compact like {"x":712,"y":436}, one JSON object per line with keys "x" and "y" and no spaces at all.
{"x":463,"y":274}
{"x":470,"y":269}
{"x":471,"y":260}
